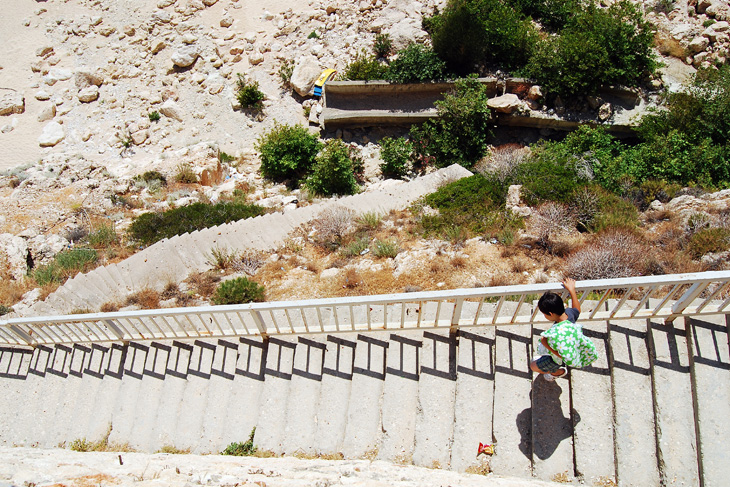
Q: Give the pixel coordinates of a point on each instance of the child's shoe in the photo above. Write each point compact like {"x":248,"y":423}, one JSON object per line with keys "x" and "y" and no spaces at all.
{"x":551,"y":377}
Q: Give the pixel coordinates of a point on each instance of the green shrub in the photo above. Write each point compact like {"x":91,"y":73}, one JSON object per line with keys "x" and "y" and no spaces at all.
{"x":5,"y":310}
{"x":365,"y":68}
{"x":65,"y":264}
{"x":709,"y":240}
{"x":185,"y":174}
{"x":104,"y":236}
{"x":396,"y":155}
{"x":382,"y":46}
{"x":553,"y":14}
{"x":149,"y":228}
{"x":385,"y":248}
{"x":461,"y":133}
{"x":286,"y":69}
{"x":150,"y":177}
{"x":614,"y":213}
{"x":370,"y":220}
{"x":154,"y":116}
{"x":287,"y":153}
{"x":225,"y":158}
{"x":472,"y":33}
{"x":546,"y":180}
{"x":335,"y":170}
{"x":356,"y":247}
{"x":248,"y":93}
{"x":416,"y":64}
{"x":242,"y":449}
{"x":239,"y":290}
{"x":313,"y":35}
{"x":598,"y":47}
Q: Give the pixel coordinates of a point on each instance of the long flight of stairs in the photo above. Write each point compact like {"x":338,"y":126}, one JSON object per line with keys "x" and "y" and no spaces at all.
{"x":652,"y":411}
{"x":172,"y":260}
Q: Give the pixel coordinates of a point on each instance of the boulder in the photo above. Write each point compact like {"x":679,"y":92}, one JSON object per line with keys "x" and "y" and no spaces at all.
{"x":305,"y":73}
{"x":60,"y":74}
{"x":702,"y":5}
{"x":226,"y":21}
{"x":605,"y":112}
{"x":256,"y":57}
{"x":52,"y":134}
{"x":405,"y":32}
{"x":42,"y":96}
{"x":15,"y":250}
{"x":171,"y":109}
{"x":12,"y":102}
{"x":89,"y":94}
{"x":697,"y":45}
{"x":47,"y":113}
{"x":185,"y":56}
{"x":209,"y":3}
{"x":506,"y":103}
{"x":534,"y":93}
{"x":164,"y":3}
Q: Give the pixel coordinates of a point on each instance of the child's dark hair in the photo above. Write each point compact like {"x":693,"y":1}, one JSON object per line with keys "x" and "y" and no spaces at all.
{"x":551,"y":303}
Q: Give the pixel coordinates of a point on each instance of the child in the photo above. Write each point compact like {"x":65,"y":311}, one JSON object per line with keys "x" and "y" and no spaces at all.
{"x":564,"y":342}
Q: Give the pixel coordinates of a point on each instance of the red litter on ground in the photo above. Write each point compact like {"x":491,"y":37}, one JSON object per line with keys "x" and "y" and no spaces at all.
{"x":485,"y":449}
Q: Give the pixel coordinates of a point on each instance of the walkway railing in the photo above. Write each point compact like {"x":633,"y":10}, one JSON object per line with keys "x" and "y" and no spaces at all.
{"x":654,"y":297}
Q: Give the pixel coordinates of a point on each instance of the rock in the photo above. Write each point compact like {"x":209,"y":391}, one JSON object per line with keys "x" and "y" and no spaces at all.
{"x":506,"y":103}
{"x":189,"y":38}
{"x":605,"y":112}
{"x":15,"y":250}
{"x":12,"y":102}
{"x":164,"y":3}
{"x":226,"y":21}
{"x":250,"y":37}
{"x":328,"y":273}
{"x":513,"y":195}
{"x":172,"y":110}
{"x":139,"y":136}
{"x":47,"y":113}
{"x":256,"y":57}
{"x":534,"y":93}
{"x":305,"y":73}
{"x":215,"y":83}
{"x":52,"y":134}
{"x":42,"y":96}
{"x":106,"y":31}
{"x":129,"y":30}
{"x":185,"y":56}
{"x":405,"y":32}
{"x":162,"y":17}
{"x":697,"y":45}
{"x":209,"y":3}
{"x":9,"y":127}
{"x":157,"y":46}
{"x":60,"y":74}
{"x":44,"y":51}
{"x":89,"y":94}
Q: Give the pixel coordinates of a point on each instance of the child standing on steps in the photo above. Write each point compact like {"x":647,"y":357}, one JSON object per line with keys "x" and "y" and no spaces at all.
{"x":563,"y":344}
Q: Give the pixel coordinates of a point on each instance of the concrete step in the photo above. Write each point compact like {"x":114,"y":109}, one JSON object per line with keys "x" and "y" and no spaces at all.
{"x":436,"y":400}
{"x":592,"y":404}
{"x":305,"y":387}
{"x":114,"y":282}
{"x":512,"y":423}
{"x":400,"y":397}
{"x":552,"y":422}
{"x":672,"y":386}
{"x":274,"y":405}
{"x":710,"y":365}
{"x":122,"y":280}
{"x":364,"y":411}
{"x":634,"y":423}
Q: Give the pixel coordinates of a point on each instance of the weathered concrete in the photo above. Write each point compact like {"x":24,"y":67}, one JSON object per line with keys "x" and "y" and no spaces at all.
{"x":592,"y":413}
{"x":474,"y":400}
{"x":635,"y":434}
{"x":436,"y":398}
{"x":710,"y":362}
{"x":675,"y":424}
{"x":512,"y":402}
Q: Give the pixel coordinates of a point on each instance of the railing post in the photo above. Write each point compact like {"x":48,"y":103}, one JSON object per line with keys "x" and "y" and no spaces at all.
{"x":22,"y":334}
{"x":116,"y":331}
{"x":456,"y":315}
{"x":259,"y":320}
{"x":687,"y":298}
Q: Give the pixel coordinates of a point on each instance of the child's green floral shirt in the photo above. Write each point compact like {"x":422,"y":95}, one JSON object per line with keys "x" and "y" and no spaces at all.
{"x":567,"y":338}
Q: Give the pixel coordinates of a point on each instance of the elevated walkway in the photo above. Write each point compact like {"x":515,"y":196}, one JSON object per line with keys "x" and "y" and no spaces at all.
{"x":416,"y":378}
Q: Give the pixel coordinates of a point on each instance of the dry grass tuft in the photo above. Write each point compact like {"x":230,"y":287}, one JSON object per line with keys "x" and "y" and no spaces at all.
{"x":110,"y":307}
{"x":203,"y":283}
{"x":481,"y":469}
{"x":146,"y":299}
{"x":333,"y":223}
{"x":611,"y":255}
{"x":458,"y":261}
{"x":351,"y":279}
{"x":173,"y":450}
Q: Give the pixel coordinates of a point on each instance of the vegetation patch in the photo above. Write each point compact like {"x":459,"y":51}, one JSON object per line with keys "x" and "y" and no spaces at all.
{"x":152,"y":227}
{"x":245,"y":449}
{"x":64,"y":265}
{"x":287,"y":153}
{"x":239,"y":290}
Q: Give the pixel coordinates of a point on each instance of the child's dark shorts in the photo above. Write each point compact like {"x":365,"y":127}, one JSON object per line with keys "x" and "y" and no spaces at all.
{"x":547,"y":364}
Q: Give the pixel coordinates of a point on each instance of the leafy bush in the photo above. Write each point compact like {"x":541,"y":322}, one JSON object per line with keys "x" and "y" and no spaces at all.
{"x":709,"y":240}
{"x":5,"y":309}
{"x":286,"y":69}
{"x":460,"y":134}
{"x":553,"y":14}
{"x":597,"y":47}
{"x":287,"y":153}
{"x":185,"y":174}
{"x":385,"y":248}
{"x":104,"y":236}
{"x":150,"y":177}
{"x":154,"y":116}
{"x":546,"y":180}
{"x":242,"y":449}
{"x":472,"y":33}
{"x":365,"y":68}
{"x":416,"y":64}
{"x":65,"y":264}
{"x":356,"y":247}
{"x":239,"y":290}
{"x":382,"y":46}
{"x":396,"y":155}
{"x":335,"y":169}
{"x":248,"y":93}
{"x":313,"y":35}
{"x":149,"y":228}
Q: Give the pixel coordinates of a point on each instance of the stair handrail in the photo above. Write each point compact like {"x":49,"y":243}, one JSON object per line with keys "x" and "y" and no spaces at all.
{"x":647,"y":297}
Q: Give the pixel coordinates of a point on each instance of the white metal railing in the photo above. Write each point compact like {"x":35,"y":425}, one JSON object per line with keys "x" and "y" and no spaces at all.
{"x":653,"y":297}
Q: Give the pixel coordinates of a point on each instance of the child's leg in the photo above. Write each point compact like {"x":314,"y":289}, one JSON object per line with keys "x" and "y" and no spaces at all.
{"x":546,"y":365}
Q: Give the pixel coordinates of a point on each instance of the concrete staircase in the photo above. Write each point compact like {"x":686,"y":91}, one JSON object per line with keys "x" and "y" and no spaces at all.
{"x":652,"y":411}
{"x":172,"y":260}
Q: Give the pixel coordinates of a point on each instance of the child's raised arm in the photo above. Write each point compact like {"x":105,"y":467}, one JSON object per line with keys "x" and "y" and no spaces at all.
{"x":569,"y":285}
